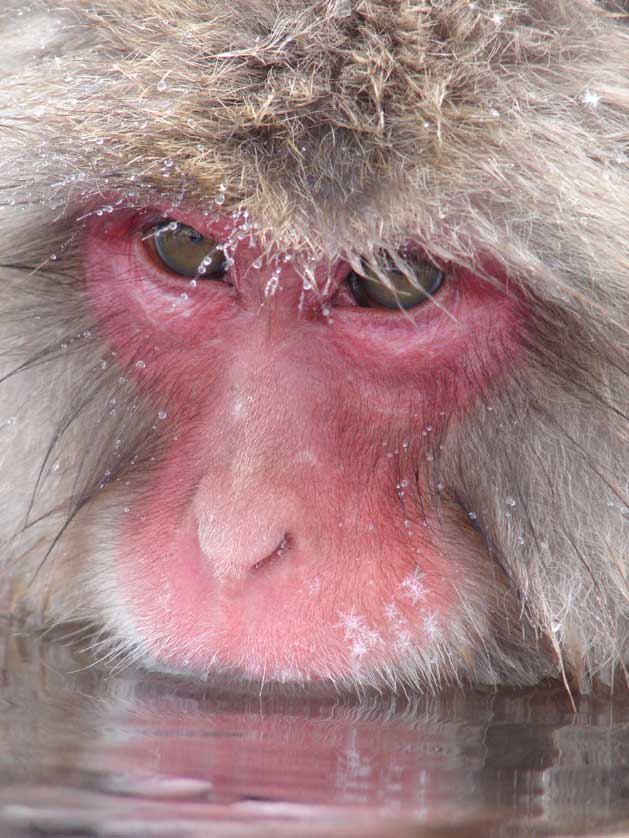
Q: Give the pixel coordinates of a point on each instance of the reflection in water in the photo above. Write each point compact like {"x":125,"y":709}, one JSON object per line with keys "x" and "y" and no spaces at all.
{"x":88,"y":754}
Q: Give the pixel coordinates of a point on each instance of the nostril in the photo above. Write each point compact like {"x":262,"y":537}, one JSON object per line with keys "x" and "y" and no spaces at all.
{"x":282,"y":548}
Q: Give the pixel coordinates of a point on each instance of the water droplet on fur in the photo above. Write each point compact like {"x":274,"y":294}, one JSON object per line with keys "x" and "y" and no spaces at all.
{"x":141,"y":365}
{"x":272,"y":286}
{"x":591,"y":98}
{"x":510,"y":501}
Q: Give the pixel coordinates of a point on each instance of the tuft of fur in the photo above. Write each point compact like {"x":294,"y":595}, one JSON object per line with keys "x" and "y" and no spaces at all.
{"x":482,"y":130}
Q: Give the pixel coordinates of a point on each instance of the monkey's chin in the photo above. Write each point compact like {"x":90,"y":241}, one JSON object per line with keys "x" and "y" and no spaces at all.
{"x":289,"y":621}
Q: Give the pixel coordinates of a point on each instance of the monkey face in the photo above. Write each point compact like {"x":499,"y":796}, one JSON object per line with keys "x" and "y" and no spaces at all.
{"x":290,"y":526}
{"x":314,"y":336}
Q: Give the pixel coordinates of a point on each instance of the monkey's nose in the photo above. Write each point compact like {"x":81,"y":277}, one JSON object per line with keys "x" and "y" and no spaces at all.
{"x":236,"y":541}
{"x":277,"y":555}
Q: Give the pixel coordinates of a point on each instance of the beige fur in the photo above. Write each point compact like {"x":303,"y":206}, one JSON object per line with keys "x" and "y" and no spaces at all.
{"x":479,"y":128}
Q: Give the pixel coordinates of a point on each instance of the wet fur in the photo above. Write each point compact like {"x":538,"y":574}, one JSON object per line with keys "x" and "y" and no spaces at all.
{"x":495,"y":133}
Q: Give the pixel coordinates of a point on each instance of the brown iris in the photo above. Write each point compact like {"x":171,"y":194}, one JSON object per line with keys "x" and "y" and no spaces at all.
{"x":184,"y":251}
{"x":391,"y":287}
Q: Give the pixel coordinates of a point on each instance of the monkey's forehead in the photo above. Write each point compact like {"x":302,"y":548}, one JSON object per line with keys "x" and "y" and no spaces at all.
{"x":340,"y":123}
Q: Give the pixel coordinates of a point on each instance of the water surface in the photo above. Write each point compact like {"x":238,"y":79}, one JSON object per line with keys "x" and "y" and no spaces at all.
{"x":87,"y":753}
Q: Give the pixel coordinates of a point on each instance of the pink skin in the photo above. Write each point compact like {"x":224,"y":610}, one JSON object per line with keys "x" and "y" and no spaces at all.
{"x":278,"y":536}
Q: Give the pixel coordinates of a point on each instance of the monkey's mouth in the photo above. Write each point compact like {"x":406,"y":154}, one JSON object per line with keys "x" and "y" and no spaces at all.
{"x":288,"y":618}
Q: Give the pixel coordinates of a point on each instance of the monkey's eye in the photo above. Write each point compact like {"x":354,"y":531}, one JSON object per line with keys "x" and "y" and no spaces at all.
{"x":184,"y":251}
{"x":406,"y":289}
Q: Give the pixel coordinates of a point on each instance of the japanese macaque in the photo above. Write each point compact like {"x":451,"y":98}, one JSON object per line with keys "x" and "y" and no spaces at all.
{"x":314,"y":336}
